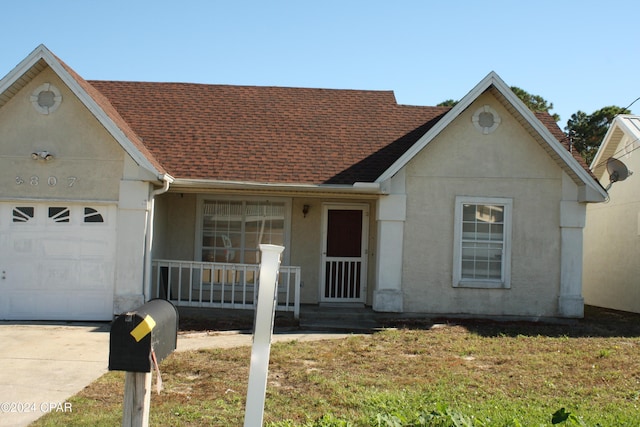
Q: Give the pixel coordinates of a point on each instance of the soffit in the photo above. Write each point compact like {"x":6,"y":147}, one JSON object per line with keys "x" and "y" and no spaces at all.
{"x":22,"y":81}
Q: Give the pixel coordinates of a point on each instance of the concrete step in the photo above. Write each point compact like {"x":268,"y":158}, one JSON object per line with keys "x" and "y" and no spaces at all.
{"x":338,"y":318}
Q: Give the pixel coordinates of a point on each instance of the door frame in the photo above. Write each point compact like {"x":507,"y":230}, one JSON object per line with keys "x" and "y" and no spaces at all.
{"x":364,"y":208}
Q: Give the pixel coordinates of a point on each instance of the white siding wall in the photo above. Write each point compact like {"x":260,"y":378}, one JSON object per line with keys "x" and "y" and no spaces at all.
{"x":612,"y":242}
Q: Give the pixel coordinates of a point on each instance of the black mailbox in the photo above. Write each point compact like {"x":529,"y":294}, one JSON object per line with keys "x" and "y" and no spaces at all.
{"x":152,"y":328}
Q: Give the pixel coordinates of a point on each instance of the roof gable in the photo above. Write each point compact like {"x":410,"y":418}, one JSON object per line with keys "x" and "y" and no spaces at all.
{"x":99,"y":106}
{"x":623,"y":125}
{"x":547,"y":134}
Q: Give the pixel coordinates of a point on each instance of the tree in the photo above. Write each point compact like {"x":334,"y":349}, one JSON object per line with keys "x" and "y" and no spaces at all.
{"x":448,"y":103}
{"x":588,"y":130}
{"x":536,"y":103}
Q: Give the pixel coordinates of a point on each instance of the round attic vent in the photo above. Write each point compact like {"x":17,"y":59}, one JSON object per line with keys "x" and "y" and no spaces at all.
{"x":46,"y":98}
{"x":486,"y":119}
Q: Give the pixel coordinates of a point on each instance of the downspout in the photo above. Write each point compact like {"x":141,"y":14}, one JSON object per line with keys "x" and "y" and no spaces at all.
{"x":149,"y":235}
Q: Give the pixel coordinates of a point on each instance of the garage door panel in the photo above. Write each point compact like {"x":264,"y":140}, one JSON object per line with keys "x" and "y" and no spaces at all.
{"x":55,"y":248}
{"x":54,"y":306}
{"x":90,"y":303}
{"x":95,"y":248}
{"x":22,"y":275}
{"x":48,"y":305}
{"x":65,"y":247}
{"x":57,"y":270}
{"x":59,"y":275}
{"x":22,"y":244}
{"x":95,"y":274}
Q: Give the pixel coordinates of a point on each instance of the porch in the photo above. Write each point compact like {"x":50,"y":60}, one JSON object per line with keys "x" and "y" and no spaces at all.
{"x":221,"y":285}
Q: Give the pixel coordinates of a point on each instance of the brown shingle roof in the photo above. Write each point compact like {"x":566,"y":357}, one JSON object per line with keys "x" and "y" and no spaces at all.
{"x":548,"y":121}
{"x":272,"y":134}
{"x":269,"y":134}
{"x":116,"y":118}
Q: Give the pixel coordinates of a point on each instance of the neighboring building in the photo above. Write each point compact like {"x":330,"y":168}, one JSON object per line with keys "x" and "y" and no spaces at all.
{"x":115,"y":192}
{"x":612,"y":235}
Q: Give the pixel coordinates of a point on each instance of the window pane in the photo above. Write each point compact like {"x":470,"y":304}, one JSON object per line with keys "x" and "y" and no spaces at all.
{"x":483,"y":231}
{"x":494,"y":252}
{"x":234,"y":230}
{"x":469,"y":231}
{"x":495,"y":270}
{"x":496,"y":231}
{"x":222,"y":226}
{"x":23,"y":214}
{"x":468,"y":269}
{"x":59,"y":214}
{"x":489,"y":213}
{"x":252,"y":256}
{"x":481,"y":260}
{"x":468,"y":251}
{"x":497,"y":214}
{"x":468,"y":213}
{"x":92,"y":215}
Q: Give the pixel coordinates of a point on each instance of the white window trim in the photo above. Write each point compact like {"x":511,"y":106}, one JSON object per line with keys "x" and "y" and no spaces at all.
{"x":57,"y":98}
{"x":287,"y":219}
{"x":458,"y":281}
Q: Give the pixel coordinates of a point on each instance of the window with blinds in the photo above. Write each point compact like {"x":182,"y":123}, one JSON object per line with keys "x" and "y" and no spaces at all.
{"x":482,"y":242}
{"x":232,"y":230}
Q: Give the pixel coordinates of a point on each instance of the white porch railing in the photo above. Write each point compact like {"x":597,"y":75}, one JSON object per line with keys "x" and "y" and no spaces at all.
{"x":221,"y":285}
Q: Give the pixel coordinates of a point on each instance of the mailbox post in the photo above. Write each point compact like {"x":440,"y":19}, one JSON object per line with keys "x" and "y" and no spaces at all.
{"x":138,"y":341}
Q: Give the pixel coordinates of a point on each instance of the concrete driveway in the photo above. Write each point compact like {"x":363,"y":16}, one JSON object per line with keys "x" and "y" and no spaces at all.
{"x":42,"y":365}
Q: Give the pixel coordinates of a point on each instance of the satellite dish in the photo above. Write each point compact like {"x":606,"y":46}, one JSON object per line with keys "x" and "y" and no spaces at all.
{"x":617,"y":171}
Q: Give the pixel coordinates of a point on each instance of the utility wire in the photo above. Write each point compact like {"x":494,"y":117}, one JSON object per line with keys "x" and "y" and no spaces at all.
{"x":634,"y":101}
{"x":623,"y":149}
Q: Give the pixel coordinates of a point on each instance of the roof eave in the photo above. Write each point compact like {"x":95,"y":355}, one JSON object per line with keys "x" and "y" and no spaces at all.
{"x":364,"y":188}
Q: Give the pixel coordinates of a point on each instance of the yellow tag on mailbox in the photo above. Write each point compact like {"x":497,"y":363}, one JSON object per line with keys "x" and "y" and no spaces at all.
{"x":144,"y":328}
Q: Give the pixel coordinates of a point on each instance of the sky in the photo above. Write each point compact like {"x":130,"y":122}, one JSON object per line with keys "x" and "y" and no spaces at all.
{"x":577,"y":54}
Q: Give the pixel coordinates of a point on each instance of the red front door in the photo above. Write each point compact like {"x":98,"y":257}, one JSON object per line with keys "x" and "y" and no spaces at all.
{"x":344,"y":253}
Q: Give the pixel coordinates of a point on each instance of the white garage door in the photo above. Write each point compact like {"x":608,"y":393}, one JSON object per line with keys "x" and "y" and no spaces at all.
{"x":56,"y":261}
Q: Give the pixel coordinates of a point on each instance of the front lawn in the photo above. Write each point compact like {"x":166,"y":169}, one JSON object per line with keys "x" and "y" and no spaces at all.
{"x":457,"y":373}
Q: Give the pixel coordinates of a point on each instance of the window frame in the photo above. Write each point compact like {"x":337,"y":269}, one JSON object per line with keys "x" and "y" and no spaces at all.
{"x":202,"y":198}
{"x":505,"y":280}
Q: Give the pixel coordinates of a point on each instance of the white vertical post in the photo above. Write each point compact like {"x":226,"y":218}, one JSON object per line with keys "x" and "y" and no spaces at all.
{"x":262,"y":331}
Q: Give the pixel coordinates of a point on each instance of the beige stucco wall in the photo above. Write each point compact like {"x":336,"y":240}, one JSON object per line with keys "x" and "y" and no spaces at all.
{"x":88,"y":163}
{"x":461,"y":161}
{"x":612,"y":243}
{"x":306,"y":247}
{"x":175,"y":226}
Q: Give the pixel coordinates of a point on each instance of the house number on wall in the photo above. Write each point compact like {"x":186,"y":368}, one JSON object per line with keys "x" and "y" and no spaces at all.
{"x":51,"y":181}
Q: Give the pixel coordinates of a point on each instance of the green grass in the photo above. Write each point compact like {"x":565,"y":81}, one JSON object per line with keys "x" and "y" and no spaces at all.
{"x":464,"y":374}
